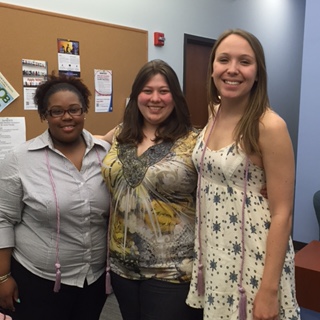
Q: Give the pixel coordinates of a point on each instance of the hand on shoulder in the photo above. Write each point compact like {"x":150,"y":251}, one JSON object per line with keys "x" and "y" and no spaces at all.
{"x":98,"y":136}
{"x":107,"y":137}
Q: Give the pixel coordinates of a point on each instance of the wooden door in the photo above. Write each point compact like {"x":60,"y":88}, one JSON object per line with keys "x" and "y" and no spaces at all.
{"x":196,"y":59}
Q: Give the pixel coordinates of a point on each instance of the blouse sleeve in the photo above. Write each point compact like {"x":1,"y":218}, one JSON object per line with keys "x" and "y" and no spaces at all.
{"x":10,"y":199}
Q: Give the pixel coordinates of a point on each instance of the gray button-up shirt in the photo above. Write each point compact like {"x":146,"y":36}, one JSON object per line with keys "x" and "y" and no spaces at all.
{"x":29,"y":200}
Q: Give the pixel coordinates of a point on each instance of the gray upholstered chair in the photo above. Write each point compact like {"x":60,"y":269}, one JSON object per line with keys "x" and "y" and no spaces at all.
{"x":316,"y":205}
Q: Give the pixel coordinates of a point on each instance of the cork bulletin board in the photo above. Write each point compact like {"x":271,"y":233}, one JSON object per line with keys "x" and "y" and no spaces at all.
{"x":32,"y":34}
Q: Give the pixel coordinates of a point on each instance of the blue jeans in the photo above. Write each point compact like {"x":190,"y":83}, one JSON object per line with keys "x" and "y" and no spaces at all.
{"x":153,"y":299}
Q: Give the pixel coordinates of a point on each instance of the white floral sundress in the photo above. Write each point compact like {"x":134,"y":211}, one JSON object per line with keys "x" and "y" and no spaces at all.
{"x":221,"y":189}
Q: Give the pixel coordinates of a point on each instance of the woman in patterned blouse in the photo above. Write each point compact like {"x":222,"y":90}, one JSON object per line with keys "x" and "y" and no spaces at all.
{"x":152,"y":181}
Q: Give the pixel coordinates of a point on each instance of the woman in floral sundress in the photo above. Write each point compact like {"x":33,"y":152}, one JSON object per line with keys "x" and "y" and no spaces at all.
{"x":245,"y":258}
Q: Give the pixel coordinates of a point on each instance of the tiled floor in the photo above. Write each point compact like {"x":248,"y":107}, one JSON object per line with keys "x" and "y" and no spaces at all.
{"x":111,"y":310}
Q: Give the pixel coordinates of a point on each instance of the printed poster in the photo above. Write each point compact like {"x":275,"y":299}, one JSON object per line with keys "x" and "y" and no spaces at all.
{"x":34,"y":72}
{"x":69,"y":57}
{"x":12,"y":133}
{"x":103,"y":90}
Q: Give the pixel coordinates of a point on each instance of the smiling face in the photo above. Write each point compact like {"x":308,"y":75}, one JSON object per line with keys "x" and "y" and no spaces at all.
{"x":155,"y":101}
{"x":234,"y":68}
{"x":66,"y":129}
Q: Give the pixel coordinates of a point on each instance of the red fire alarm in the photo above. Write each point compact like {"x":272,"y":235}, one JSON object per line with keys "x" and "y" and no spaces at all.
{"x":159,"y":39}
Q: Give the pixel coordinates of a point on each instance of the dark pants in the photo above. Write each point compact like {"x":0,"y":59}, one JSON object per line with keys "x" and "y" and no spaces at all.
{"x":39,"y":302}
{"x":153,"y":299}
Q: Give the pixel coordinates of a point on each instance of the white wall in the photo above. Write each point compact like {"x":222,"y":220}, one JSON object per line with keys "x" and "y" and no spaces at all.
{"x":308,"y":157}
{"x":279,"y":24}
{"x":272,"y":21}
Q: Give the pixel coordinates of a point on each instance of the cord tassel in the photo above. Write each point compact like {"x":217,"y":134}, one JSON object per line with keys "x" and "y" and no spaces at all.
{"x":57,"y":284}
{"x":108,"y":281}
{"x":200,"y":282}
{"x":242,"y":304}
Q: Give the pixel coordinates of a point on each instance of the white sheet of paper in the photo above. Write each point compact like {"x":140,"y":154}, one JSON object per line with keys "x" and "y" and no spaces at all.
{"x":12,"y":133}
{"x":103,"y":90}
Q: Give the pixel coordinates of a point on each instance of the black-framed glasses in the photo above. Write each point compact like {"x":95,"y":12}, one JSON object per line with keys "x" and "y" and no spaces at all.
{"x":59,"y":112}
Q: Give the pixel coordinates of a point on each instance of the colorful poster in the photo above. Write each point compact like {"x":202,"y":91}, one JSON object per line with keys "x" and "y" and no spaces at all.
{"x":34,"y":72}
{"x":7,"y":93}
{"x":69,"y":57}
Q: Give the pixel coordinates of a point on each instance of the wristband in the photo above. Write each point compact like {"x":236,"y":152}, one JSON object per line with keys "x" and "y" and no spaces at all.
{"x":5,"y":277}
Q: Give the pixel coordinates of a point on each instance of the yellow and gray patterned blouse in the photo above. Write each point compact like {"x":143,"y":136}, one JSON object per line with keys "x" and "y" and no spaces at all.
{"x":153,"y":209}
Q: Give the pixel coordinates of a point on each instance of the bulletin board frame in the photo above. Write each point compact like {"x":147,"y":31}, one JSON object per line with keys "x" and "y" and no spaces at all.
{"x":32,"y":34}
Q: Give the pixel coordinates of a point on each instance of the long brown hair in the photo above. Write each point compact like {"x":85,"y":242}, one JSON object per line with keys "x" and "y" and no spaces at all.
{"x":247,"y":130}
{"x":175,"y":126}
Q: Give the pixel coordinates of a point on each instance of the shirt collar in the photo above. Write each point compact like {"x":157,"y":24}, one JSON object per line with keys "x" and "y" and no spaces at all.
{"x":44,"y":140}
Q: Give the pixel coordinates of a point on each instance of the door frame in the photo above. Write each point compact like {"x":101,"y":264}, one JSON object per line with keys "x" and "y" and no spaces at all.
{"x":189,"y":38}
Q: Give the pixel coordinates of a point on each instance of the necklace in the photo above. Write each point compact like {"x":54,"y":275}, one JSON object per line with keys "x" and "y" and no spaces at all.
{"x":57,"y":265}
{"x":200,"y":280}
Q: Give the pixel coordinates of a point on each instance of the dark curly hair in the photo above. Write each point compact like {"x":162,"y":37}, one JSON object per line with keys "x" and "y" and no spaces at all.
{"x":55,"y":84}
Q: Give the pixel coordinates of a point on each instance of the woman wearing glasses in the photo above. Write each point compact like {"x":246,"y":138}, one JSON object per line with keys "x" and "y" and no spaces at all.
{"x":53,"y":213}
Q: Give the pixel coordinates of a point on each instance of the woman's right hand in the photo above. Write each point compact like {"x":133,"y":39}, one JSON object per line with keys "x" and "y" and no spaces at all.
{"x":9,"y":294}
{"x":108,"y":136}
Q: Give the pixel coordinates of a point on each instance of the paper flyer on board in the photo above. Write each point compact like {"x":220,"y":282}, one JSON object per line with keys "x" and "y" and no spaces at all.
{"x":69,"y":57}
{"x":103,"y":90}
{"x":34,"y":72}
{"x":7,"y":93}
{"x":12,"y":133}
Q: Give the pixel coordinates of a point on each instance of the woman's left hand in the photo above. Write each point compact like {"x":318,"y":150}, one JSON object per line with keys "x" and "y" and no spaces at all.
{"x":266,"y":305}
